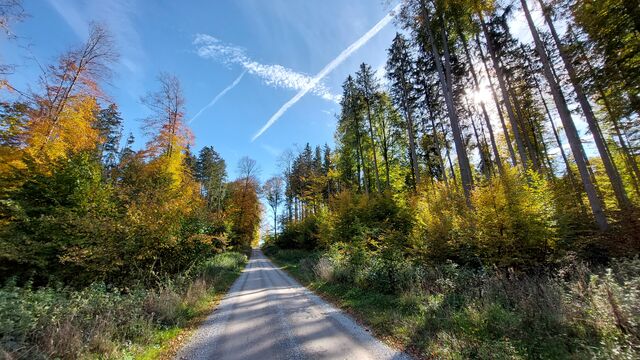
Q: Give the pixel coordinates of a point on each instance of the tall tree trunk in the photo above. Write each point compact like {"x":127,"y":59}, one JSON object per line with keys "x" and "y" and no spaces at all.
{"x":373,"y":145}
{"x":572,"y":180}
{"x":385,"y":152}
{"x":358,"y":168}
{"x":505,"y":94}
{"x":463,"y":160}
{"x":549,"y":117}
{"x":364,"y":168}
{"x":610,"y":168}
{"x":440,"y":159}
{"x":410,"y":134}
{"x":569,"y":126}
{"x":522,"y":128}
{"x":479,"y":143}
{"x":448,"y":153}
{"x":412,"y":147}
{"x":434,"y":130}
{"x":275,"y":224}
{"x":632,"y":164}
{"x":476,"y":83}
{"x":494,"y":95}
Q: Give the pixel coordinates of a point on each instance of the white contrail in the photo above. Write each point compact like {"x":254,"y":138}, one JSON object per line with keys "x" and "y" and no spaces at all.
{"x":274,"y":75}
{"x":220,"y":95}
{"x":327,"y":69}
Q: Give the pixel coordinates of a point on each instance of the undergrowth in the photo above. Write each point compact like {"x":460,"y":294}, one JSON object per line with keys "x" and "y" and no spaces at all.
{"x":453,"y":312}
{"x":104,"y":321}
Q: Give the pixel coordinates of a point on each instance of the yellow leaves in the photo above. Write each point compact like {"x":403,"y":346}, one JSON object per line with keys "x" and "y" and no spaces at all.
{"x":244,"y":210}
{"x":175,"y":166}
{"x":64,"y":133}
{"x":441,"y":216}
{"x":10,"y":160}
{"x":511,"y":219}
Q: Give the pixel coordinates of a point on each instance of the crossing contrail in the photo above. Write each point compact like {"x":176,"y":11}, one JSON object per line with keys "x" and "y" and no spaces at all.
{"x":220,"y":95}
{"x":328,"y":68}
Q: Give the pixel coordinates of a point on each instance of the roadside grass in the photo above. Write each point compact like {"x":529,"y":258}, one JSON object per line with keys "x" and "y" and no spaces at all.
{"x":167,"y":342}
{"x":449,"y":312}
{"x":99,"y":322}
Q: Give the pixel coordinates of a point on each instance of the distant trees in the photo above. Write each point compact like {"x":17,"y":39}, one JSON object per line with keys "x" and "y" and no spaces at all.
{"x":273,"y":190}
{"x":211,"y":172}
{"x":243,"y":205}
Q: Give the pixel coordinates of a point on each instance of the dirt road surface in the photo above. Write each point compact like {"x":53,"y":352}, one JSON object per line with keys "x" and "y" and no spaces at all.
{"x":268,"y":315}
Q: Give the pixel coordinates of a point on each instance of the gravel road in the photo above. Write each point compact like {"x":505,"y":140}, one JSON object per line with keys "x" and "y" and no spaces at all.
{"x":268,"y":315}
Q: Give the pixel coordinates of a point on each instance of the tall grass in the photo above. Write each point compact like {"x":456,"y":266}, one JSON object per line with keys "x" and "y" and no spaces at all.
{"x":56,"y":322}
{"x":453,"y":312}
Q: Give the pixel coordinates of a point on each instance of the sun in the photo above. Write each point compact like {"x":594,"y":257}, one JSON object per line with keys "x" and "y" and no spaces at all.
{"x":482,"y":95}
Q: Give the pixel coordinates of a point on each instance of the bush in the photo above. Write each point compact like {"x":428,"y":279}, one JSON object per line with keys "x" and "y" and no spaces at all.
{"x":442,"y":220}
{"x":323,"y":269}
{"x":607,"y":304}
{"x":511,"y":222}
{"x":378,"y":220}
{"x":514,"y":219}
{"x":390,"y":274}
{"x":61,"y":323}
{"x":68,"y":324}
{"x":450,"y":311}
{"x":304,"y":234}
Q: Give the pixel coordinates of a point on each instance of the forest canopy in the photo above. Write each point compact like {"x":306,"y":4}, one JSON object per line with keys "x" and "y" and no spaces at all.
{"x":478,"y":146}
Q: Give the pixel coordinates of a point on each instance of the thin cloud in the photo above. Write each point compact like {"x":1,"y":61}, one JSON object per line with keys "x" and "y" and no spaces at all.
{"x":72,"y":17}
{"x":327,"y":69}
{"x":273,"y":75}
{"x":219,"y":96}
{"x":271,"y":150}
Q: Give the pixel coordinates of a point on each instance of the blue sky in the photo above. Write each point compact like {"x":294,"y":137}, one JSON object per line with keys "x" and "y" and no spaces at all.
{"x":264,"y":52}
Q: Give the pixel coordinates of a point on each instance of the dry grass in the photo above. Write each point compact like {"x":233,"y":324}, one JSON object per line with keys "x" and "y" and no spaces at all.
{"x":70,"y":324}
{"x":451,"y":312}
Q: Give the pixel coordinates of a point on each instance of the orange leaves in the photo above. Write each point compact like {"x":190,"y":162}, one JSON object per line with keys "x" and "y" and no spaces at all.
{"x":244,"y":211}
{"x":70,"y":132}
{"x":63,"y":117}
{"x":170,"y":136}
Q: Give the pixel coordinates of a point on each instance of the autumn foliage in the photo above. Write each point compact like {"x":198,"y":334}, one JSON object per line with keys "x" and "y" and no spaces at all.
{"x":77,"y":207}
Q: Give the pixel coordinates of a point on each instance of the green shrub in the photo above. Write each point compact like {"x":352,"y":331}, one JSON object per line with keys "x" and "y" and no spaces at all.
{"x":378,"y":220}
{"x":304,"y":234}
{"x":451,"y":311}
{"x":65,"y":323}
{"x":389,"y":274}
{"x":514,"y":219}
